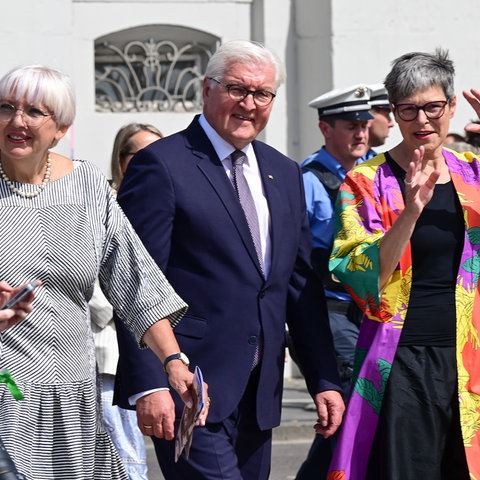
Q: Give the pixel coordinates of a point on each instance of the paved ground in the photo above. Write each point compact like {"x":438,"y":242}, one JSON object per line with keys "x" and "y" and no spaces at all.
{"x":291,"y":440}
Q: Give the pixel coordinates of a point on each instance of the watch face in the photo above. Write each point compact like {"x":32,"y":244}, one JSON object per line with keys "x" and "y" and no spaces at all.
{"x":184,"y":359}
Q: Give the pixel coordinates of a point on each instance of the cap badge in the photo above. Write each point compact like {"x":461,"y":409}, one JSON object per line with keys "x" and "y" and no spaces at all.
{"x":361,"y":91}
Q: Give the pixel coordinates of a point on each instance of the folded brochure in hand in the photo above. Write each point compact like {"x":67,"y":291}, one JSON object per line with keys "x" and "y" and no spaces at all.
{"x":190,"y":416}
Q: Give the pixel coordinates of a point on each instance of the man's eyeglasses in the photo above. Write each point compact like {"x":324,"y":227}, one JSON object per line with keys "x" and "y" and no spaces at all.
{"x":409,"y":111}
{"x":32,"y":116}
{"x":262,"y":98}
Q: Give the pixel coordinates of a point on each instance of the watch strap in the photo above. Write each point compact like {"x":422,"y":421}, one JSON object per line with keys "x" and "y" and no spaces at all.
{"x":175,"y":356}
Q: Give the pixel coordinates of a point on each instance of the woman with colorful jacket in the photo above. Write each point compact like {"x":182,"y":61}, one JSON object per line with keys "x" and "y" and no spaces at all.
{"x":407,"y":250}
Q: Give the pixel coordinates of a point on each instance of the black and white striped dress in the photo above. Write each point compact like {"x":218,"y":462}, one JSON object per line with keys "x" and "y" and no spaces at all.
{"x":68,"y":235}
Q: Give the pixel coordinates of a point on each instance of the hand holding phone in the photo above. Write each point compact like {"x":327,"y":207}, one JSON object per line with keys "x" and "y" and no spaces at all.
{"x":30,"y":287}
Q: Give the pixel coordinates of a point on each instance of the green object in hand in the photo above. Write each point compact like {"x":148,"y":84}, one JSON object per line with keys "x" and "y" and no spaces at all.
{"x":6,"y":377}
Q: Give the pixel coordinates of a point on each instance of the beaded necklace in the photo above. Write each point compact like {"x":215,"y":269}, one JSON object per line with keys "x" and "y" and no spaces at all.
{"x":41,"y":186}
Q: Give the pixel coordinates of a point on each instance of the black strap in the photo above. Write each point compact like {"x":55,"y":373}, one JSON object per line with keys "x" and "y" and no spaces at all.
{"x":320,"y":256}
{"x":328,"y":179}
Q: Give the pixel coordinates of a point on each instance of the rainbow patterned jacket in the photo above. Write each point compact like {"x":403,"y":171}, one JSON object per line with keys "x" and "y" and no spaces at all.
{"x":369,"y":202}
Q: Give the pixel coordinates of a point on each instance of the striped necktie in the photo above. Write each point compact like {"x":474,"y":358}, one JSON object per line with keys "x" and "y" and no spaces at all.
{"x":246,"y":201}
{"x":248,"y":205}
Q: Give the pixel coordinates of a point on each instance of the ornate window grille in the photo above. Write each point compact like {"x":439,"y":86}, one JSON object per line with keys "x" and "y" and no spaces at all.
{"x":137,"y":71}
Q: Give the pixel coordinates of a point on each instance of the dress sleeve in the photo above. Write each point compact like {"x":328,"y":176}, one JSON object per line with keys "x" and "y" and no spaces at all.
{"x":131,"y":280}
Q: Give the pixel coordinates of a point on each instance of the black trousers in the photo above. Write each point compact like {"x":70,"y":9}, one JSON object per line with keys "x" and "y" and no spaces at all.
{"x":418,"y":435}
{"x":342,"y":316}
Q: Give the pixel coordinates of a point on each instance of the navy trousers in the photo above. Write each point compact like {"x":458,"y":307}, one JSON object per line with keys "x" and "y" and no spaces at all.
{"x":234,"y":449}
{"x":345,"y":333}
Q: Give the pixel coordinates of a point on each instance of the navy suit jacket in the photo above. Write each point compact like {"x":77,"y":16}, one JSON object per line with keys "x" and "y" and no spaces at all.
{"x":183,"y":206}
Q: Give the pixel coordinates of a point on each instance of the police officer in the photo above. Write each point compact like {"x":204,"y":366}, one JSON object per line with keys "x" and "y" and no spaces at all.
{"x":344,"y":118}
{"x":382,"y":122}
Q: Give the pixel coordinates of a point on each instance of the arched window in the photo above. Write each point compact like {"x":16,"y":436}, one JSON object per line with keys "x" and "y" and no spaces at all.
{"x":152,"y":68}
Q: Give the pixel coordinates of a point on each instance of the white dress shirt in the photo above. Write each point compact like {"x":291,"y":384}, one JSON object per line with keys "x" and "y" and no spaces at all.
{"x":254,"y":180}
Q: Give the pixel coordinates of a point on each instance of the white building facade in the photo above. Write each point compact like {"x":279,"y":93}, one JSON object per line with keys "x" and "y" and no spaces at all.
{"x":143,"y":61}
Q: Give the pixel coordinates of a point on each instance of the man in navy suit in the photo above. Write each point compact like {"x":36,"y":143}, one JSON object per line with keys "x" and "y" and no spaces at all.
{"x":178,"y":194}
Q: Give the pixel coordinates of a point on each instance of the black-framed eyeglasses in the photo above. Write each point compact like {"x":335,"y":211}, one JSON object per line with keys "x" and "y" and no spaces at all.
{"x":409,"y":111}
{"x":262,"y":98}
{"x":32,"y":116}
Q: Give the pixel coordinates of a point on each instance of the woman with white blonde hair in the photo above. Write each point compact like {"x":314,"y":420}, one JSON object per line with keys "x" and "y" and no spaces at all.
{"x":62,"y":225}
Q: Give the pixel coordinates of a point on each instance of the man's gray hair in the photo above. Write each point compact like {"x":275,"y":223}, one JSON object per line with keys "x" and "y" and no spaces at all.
{"x":243,"y":51}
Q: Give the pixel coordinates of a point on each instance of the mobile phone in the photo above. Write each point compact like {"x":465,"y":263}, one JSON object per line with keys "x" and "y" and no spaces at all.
{"x":30,"y":287}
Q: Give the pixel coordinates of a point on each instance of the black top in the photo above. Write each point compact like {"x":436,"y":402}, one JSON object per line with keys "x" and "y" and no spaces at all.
{"x":437,"y":244}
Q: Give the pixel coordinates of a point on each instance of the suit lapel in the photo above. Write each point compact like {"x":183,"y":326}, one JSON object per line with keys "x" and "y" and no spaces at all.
{"x":275,"y":200}
{"x":211,"y":167}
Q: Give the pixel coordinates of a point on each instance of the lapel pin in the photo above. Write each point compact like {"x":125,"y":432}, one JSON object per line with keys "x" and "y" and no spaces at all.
{"x":270,"y":177}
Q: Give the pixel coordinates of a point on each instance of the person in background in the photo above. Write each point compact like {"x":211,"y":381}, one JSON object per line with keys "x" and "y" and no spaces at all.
{"x":121,"y":424}
{"x":224,"y":216}
{"x":472,"y":137}
{"x":129,"y":140}
{"x":344,"y":118}
{"x":406,"y":250}
{"x":62,"y":225}
{"x":462,"y":147}
{"x":453,"y":137}
{"x":382,"y":122}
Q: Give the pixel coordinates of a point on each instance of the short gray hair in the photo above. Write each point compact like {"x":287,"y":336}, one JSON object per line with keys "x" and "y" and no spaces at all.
{"x":39,"y":84}
{"x":416,"y":71}
{"x":243,"y":51}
